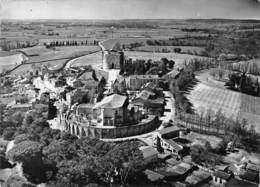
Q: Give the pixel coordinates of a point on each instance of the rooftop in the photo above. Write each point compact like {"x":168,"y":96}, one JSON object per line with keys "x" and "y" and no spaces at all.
{"x":153,"y":176}
{"x":221,"y":174}
{"x":169,"y":130}
{"x":239,"y":183}
{"x":197,"y":177}
{"x":148,"y":151}
{"x":144,"y":77}
{"x":175,"y":145}
{"x":112,"y":101}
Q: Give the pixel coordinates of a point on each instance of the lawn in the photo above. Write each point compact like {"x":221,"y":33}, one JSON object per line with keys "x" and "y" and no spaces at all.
{"x":212,"y":94}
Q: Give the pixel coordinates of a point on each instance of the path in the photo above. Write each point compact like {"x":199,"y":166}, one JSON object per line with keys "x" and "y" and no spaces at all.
{"x":169,"y":108}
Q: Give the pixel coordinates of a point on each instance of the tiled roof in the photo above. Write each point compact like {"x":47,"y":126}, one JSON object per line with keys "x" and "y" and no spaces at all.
{"x":148,"y":151}
{"x":112,"y":101}
{"x":153,"y":176}
{"x":221,"y":174}
{"x":172,"y":143}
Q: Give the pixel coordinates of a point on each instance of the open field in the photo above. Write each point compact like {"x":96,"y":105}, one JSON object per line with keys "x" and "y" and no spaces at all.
{"x":9,"y":60}
{"x":56,"y":57}
{"x":178,"y":58}
{"x":26,"y":68}
{"x":63,"y":52}
{"x":212,"y":94}
{"x":92,"y":59}
{"x":184,"y":49}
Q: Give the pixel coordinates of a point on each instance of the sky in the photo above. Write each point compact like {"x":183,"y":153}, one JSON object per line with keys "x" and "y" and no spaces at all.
{"x":129,"y":9}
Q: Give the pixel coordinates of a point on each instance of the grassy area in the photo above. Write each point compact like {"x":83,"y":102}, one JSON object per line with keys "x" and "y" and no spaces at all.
{"x":56,"y":57}
{"x":178,"y":58}
{"x":92,"y":59}
{"x":26,"y":68}
{"x":212,"y":94}
{"x":184,"y":49}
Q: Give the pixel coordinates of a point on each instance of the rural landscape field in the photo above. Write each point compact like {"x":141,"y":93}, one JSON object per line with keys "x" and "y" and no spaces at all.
{"x":138,"y":102}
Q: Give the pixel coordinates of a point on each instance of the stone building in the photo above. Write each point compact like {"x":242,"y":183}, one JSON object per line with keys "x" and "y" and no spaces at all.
{"x":111,"y":111}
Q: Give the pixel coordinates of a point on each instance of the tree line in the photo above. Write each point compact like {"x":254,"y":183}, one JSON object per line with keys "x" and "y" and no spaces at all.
{"x":69,"y":43}
{"x":9,"y":45}
{"x":142,"y":67}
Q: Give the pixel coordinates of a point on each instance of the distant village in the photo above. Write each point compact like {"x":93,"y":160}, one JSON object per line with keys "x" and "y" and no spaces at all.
{"x":123,"y":100}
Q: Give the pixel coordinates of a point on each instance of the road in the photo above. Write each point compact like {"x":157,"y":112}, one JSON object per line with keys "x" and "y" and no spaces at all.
{"x":169,"y":108}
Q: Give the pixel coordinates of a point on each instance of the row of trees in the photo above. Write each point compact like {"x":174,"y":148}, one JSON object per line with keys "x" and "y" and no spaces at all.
{"x":217,"y":123}
{"x":69,"y":43}
{"x":142,"y":67}
{"x":185,"y":41}
{"x":9,"y":45}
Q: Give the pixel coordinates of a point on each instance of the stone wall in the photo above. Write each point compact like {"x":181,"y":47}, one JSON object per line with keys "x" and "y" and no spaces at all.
{"x":145,"y":126}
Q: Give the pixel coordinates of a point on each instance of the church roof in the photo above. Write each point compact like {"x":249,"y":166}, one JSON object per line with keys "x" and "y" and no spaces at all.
{"x":112,"y":101}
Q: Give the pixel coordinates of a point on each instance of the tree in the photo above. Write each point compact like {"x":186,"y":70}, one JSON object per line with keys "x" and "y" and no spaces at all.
{"x":123,"y":161}
{"x":29,"y":153}
{"x":158,"y":145}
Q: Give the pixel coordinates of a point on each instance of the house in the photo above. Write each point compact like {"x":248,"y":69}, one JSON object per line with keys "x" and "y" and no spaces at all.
{"x":174,"y":74}
{"x":153,"y":176}
{"x":253,"y":167}
{"x":170,"y":132}
{"x":176,"y":173}
{"x":84,"y":109}
{"x":135,"y":82}
{"x":21,"y":107}
{"x":234,"y":182}
{"x":166,"y":137}
{"x":150,"y":154}
{"x":250,"y":176}
{"x":172,"y":162}
{"x":198,"y":178}
{"x":111,"y":111}
{"x":149,"y":102}
{"x":221,"y":177}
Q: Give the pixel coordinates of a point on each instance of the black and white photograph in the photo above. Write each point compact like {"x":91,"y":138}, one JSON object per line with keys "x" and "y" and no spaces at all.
{"x":129,"y":93}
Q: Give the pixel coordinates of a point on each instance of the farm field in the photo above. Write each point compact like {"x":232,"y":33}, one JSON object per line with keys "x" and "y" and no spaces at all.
{"x":108,"y":44}
{"x":94,"y":59}
{"x":26,"y":68}
{"x":212,"y":94}
{"x":178,"y":58}
{"x":9,"y":60}
{"x":63,"y":52}
{"x":184,"y":49}
{"x":55,"y":58}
